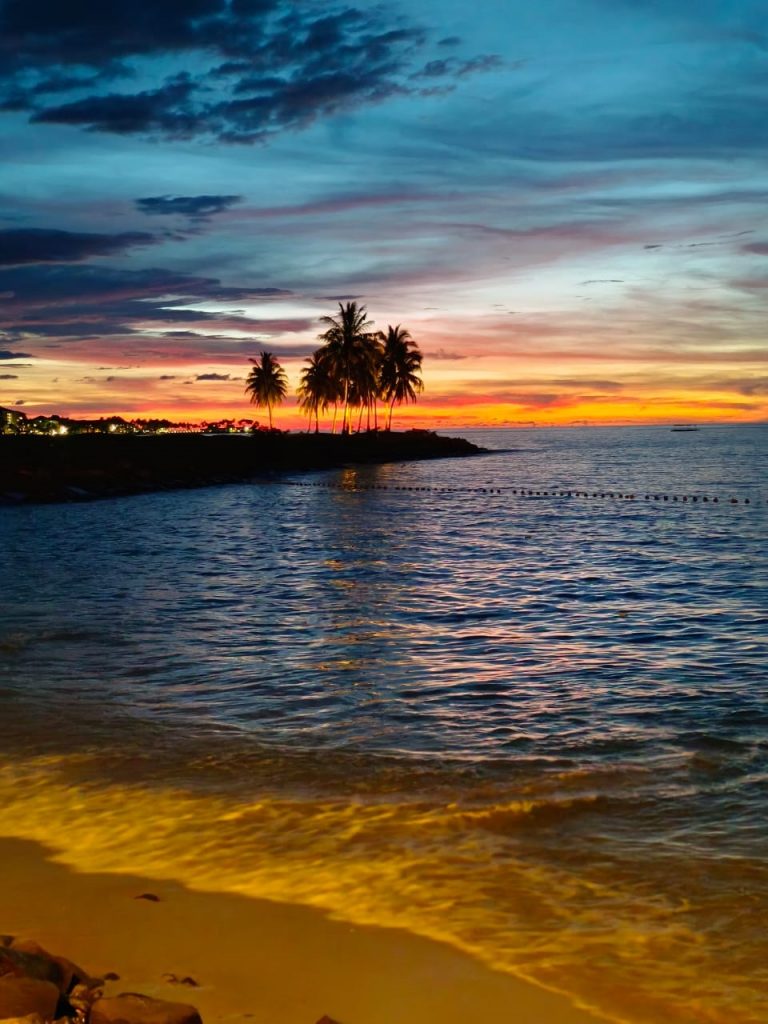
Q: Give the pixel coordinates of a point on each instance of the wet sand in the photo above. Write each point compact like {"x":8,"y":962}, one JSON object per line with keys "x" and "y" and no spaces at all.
{"x":256,"y":960}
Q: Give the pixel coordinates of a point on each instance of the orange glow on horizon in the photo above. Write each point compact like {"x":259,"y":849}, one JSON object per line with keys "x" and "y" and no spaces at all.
{"x":473,"y":393}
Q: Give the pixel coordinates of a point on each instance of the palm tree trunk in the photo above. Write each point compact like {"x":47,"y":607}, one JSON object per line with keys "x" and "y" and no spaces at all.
{"x":269,"y":410}
{"x":360,"y":418}
{"x":344,"y":425}
{"x":391,"y":410}
{"x":335,"y":413}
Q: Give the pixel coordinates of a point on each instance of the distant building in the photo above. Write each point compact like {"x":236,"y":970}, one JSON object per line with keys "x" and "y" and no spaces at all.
{"x":46,"y":425}
{"x":12,"y":421}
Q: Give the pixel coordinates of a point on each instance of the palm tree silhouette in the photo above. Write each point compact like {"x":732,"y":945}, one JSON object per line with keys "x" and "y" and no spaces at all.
{"x":400,"y":377}
{"x":266,"y":382}
{"x":347,"y":347}
{"x":317,"y":388}
{"x":364,"y":386}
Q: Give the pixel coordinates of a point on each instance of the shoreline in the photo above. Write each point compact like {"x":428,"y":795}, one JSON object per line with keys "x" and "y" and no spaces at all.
{"x":43,"y":470}
{"x":255,"y":960}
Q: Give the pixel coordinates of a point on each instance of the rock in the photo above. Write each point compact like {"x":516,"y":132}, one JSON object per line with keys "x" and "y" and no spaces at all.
{"x":148,"y":896}
{"x":132,"y":1008}
{"x":32,"y":1018}
{"x":327,"y":1020}
{"x":20,"y":963}
{"x":70,"y":974}
{"x":111,"y":976}
{"x":20,"y":997}
{"x":81,"y":997}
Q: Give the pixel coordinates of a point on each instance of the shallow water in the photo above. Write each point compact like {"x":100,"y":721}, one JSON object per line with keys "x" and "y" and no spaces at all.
{"x":532,"y":727}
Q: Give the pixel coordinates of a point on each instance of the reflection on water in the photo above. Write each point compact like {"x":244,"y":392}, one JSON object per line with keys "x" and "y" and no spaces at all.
{"x":533,"y":729}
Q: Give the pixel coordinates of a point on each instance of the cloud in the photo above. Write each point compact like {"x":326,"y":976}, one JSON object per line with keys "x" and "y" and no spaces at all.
{"x":261,"y":66}
{"x":197,"y":208}
{"x":580,"y":382}
{"x":453,"y":67}
{"x":346,"y":202}
{"x":47,"y":245}
{"x":9,"y":376}
{"x":213,"y":376}
{"x":162,"y":110}
{"x":755,"y":386}
{"x":441,"y":353}
{"x":7,"y":354}
{"x":125,"y":312}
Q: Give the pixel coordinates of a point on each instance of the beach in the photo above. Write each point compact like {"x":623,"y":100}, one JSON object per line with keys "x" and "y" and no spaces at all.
{"x":256,"y":960}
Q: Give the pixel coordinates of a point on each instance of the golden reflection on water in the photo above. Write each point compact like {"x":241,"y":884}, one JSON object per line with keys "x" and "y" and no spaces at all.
{"x":451,"y":871}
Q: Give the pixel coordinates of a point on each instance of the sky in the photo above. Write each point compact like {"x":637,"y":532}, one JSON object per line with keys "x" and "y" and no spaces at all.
{"x":564,"y":202}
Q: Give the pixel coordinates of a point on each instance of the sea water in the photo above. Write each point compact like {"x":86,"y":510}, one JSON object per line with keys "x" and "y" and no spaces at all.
{"x":532,"y":726}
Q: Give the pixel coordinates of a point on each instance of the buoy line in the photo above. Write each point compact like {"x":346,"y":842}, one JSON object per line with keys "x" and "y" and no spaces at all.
{"x":525,"y":492}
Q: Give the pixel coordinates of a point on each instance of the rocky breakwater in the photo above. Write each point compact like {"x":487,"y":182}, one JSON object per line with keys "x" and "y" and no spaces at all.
{"x":86,"y":466}
{"x":38,"y":987}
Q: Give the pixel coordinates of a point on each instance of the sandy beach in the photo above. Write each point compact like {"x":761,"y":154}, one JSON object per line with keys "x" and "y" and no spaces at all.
{"x":256,"y":960}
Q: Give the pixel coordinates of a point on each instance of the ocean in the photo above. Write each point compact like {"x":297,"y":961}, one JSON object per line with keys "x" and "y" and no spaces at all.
{"x":530,"y":725}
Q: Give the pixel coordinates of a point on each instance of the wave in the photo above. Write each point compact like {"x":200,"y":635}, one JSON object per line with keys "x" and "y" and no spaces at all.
{"x":513,"y":882}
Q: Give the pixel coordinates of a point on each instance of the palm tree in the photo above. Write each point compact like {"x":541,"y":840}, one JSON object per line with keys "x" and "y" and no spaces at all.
{"x":364,"y":382}
{"x":317,"y":388}
{"x":400,"y":377}
{"x":347,"y":343}
{"x":266,"y":382}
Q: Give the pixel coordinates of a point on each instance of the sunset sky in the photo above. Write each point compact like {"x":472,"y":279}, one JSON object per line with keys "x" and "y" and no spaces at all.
{"x":565,"y":202}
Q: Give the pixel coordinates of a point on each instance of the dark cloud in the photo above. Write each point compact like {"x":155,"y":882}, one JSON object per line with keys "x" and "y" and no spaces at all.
{"x":452,"y":67}
{"x":46,"y":245}
{"x":9,"y":376}
{"x":755,"y":386}
{"x":441,"y":353}
{"x":212,"y":376}
{"x":758,"y":248}
{"x":197,"y":208}
{"x":75,"y":302}
{"x":580,"y":382}
{"x":603,"y":280}
{"x":7,"y":354}
{"x":165,"y":111}
{"x":262,"y":66}
{"x":167,"y":376}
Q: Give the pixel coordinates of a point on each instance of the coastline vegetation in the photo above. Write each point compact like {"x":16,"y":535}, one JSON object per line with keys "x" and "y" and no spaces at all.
{"x":356,"y":369}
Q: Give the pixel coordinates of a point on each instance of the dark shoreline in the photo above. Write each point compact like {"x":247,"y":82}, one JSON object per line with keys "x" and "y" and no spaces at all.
{"x":35,"y":469}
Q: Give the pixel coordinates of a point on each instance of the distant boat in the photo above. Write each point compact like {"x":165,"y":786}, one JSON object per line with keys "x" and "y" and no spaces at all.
{"x":681,"y":427}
